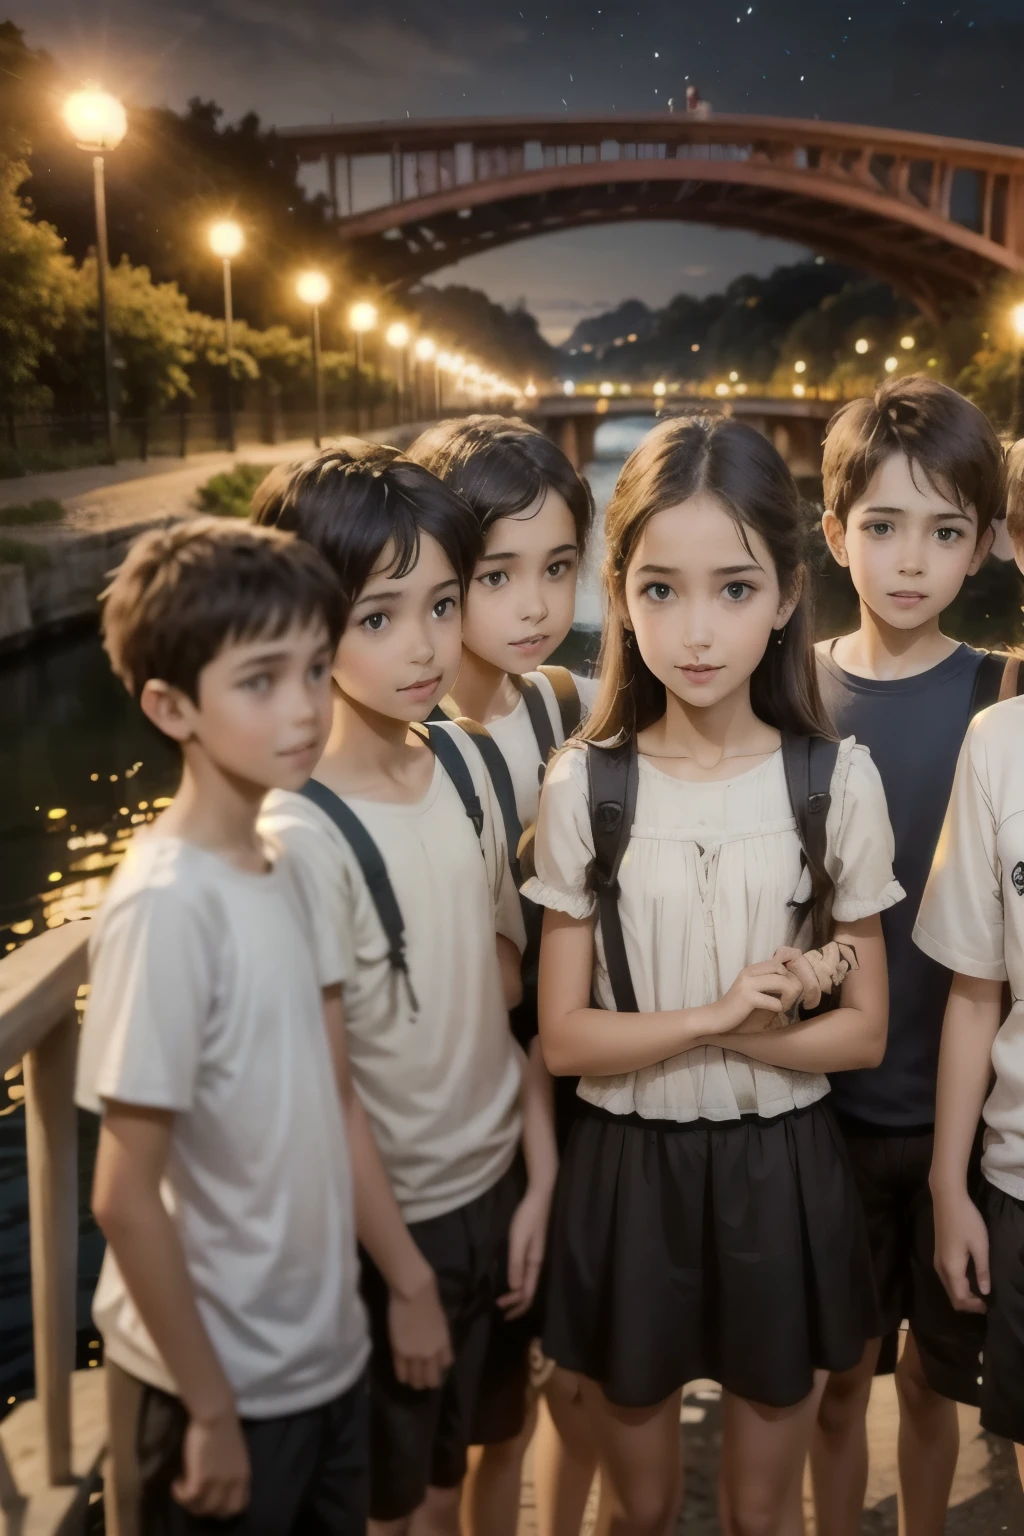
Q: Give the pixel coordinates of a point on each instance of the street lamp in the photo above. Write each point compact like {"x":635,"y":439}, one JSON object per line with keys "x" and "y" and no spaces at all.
{"x":569,"y":387}
{"x":397,"y":335}
{"x":891,"y":364}
{"x":426,"y":350}
{"x":98,"y":123}
{"x":313,"y":288}
{"x":861,"y":345}
{"x":659,"y":389}
{"x":908,"y":343}
{"x":362,"y":318}
{"x":1017,"y":316}
{"x":800,"y":366}
{"x":226,"y":240}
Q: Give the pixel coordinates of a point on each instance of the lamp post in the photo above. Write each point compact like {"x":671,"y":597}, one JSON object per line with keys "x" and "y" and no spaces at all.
{"x":226,"y":240}
{"x":362,"y":318}
{"x":313,"y":288}
{"x":426,"y":349}
{"x":98,"y":123}
{"x":1017,"y":315}
{"x":397,"y":336}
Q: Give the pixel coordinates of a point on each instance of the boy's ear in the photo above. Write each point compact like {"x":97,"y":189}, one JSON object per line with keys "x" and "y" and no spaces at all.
{"x":835,"y":536}
{"x":168,"y":709}
{"x":982,"y":550}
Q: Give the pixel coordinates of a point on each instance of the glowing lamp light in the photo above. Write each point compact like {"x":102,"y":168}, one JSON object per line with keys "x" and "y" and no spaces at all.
{"x":444,"y":362}
{"x":741,"y":389}
{"x":733,"y":377}
{"x":660,"y":388}
{"x":695,"y":347}
{"x":362,"y":317}
{"x":607,"y":388}
{"x":908,"y":343}
{"x":1017,"y":316}
{"x":426,"y":348}
{"x":624,"y":389}
{"x":531,"y":390}
{"x":891,"y":364}
{"x":721,"y":390}
{"x":799,"y":390}
{"x":800,"y":367}
{"x":569,"y":387}
{"x":97,"y":120}
{"x":397,"y":334}
{"x":226,"y":238}
{"x":312,"y":287}
{"x":861,"y":345}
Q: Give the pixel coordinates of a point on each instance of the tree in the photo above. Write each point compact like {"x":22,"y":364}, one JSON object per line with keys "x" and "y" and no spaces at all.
{"x":37,"y":287}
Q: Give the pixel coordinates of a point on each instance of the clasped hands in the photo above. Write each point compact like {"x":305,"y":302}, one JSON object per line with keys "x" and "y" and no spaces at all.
{"x":766,"y":995}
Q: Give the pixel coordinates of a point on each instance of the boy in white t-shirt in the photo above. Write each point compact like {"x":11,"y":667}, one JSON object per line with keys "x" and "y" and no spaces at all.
{"x":224,"y":1175}
{"x":972,"y":921}
{"x":402,"y":826}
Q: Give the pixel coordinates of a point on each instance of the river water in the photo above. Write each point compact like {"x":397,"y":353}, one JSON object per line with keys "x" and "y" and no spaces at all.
{"x":80,"y":769}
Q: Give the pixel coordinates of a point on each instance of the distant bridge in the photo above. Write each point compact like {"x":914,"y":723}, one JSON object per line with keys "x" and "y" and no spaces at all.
{"x":796,"y":427}
{"x":937,"y":218}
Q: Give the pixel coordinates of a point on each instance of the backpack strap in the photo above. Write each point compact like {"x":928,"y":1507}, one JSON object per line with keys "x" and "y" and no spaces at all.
{"x":539,"y":718}
{"x":457,"y":769}
{"x":1012,"y":685}
{"x":504,"y":789}
{"x":446,"y":710}
{"x":809,"y":763}
{"x":374,"y":871}
{"x":613,"y":773}
{"x":567,"y":697}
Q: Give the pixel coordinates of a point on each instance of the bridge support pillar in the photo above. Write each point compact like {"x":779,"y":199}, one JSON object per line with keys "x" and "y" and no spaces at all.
{"x":575,"y":436}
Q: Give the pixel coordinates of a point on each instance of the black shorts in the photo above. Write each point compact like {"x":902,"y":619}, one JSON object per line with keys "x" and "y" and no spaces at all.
{"x":419,"y":1439}
{"x":734,"y":1250}
{"x":310,"y":1470}
{"x":892,"y":1176}
{"x":1002,"y":1391}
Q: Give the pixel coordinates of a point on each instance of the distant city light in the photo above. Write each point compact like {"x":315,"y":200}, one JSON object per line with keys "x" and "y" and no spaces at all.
{"x":695,"y":347}
{"x":568,"y":387}
{"x":733,"y":377}
{"x":659,"y":388}
{"x":861,"y":345}
{"x":607,"y":388}
{"x":908,"y":343}
{"x":800,"y":367}
{"x":721,"y":389}
{"x":891,"y":364}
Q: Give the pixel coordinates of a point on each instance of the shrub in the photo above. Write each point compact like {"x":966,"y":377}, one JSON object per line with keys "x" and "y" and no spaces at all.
{"x":16,"y":552}
{"x":229,"y":494}
{"x":23,"y":514}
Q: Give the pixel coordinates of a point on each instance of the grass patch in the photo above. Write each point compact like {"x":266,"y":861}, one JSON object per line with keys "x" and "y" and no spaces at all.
{"x":15,"y":462}
{"x":16,"y":552}
{"x":25,"y":513}
{"x":230,"y":494}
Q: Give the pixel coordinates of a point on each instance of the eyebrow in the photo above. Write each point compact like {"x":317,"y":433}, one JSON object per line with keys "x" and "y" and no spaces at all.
{"x":723,"y":570}
{"x":265,"y":658}
{"x":902,"y":512}
{"x":396,"y":597}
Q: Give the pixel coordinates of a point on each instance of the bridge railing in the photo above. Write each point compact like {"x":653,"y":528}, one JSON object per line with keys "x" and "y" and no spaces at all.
{"x":39,"y":989}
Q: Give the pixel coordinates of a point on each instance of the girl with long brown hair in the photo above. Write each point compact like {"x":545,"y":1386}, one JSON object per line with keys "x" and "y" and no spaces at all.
{"x":706,"y":1222}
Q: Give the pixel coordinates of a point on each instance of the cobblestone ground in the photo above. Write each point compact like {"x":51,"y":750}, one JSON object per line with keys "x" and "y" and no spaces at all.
{"x":986,"y":1499}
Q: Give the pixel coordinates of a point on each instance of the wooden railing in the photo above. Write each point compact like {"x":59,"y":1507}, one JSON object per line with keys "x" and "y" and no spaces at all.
{"x":39,"y":988}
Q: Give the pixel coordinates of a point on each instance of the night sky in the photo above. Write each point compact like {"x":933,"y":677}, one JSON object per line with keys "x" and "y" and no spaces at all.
{"x":943,"y":68}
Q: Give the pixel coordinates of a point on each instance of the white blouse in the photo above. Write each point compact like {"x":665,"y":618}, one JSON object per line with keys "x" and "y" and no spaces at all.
{"x":706,"y":888}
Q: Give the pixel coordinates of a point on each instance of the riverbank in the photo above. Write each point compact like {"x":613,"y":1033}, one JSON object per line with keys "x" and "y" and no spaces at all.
{"x":51,"y":573}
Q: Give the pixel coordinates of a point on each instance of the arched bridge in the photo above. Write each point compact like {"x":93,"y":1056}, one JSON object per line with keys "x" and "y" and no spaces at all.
{"x":937,"y":218}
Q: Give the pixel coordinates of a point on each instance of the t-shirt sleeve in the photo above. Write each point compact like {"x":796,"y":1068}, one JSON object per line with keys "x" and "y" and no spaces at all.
{"x":960,"y":922}
{"x":861,"y":846}
{"x":320,"y":876}
{"x":152,"y":994}
{"x":563,"y":847}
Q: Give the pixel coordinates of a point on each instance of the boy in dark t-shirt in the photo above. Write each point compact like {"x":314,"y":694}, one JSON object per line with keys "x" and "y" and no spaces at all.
{"x":913,"y":480}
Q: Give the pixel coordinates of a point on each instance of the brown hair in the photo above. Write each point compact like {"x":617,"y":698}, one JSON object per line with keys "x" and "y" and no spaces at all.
{"x":501,"y":466}
{"x":355,"y":500}
{"x":936,"y":429}
{"x":1015,"y":493}
{"x":185,"y":592}
{"x":679,"y":458}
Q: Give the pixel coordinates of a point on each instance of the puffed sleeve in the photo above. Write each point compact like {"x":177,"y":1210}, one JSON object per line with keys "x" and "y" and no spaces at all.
{"x":563,"y":846}
{"x":961,"y":922}
{"x":860,"y":839}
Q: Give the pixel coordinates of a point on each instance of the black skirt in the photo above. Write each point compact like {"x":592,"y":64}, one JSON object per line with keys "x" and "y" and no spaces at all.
{"x":732,"y":1250}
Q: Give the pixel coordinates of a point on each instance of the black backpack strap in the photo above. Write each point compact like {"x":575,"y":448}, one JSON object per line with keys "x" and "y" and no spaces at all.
{"x":504,"y":789}
{"x":809,"y":763}
{"x":988,"y":682}
{"x":567,"y":697}
{"x":613,"y":773}
{"x":539,"y":718}
{"x":374,"y":871}
{"x":457,"y":769}
{"x":446,"y":710}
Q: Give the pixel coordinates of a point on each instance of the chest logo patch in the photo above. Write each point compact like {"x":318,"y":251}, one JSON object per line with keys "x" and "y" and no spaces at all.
{"x":1017,"y":876}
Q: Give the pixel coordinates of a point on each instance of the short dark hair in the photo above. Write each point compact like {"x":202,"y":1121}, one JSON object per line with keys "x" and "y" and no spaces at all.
{"x":355,"y":499}
{"x":501,"y":465}
{"x":185,"y":592}
{"x":1015,"y":492}
{"x":936,"y":429}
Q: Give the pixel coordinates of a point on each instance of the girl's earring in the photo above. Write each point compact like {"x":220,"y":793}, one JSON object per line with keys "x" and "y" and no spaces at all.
{"x":781,"y":635}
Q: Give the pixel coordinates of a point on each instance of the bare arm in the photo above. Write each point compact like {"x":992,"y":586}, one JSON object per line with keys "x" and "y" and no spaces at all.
{"x":602,"y":1043}
{"x":851,"y":1036}
{"x":529,"y":1228}
{"x":510,"y":963}
{"x":973,"y":1017}
{"x":419,"y":1332}
{"x":131,"y":1159}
